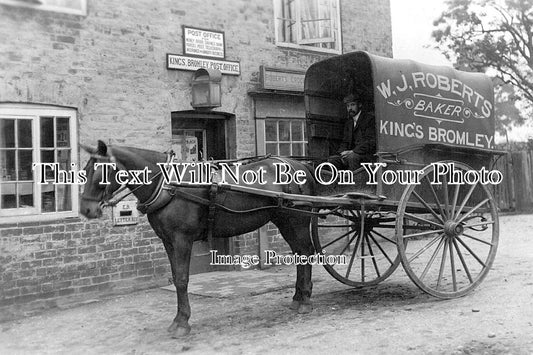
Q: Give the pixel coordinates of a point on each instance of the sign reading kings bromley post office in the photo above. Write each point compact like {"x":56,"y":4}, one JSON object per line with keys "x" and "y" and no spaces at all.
{"x":433,"y":105}
{"x":203,"y":49}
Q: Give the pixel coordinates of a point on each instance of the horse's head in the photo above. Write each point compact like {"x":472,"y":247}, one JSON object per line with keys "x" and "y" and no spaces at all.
{"x":95,"y":193}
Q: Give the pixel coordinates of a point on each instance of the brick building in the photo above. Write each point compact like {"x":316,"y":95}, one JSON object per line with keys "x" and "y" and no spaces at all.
{"x":80,"y":70}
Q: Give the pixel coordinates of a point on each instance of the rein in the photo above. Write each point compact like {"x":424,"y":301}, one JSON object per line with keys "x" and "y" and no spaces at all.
{"x":203,"y":201}
{"x":108,"y":198}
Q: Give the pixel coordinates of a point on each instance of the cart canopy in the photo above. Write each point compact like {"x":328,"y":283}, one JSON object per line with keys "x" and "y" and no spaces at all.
{"x":414,"y":103}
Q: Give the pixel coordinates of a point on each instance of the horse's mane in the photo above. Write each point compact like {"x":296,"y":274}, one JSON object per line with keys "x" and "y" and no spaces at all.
{"x":138,"y":151}
{"x":140,"y":154}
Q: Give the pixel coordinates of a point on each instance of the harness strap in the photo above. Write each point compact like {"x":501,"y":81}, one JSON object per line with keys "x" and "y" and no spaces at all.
{"x":213,"y":191}
{"x":240,"y":160}
{"x":297,"y":205}
{"x":176,"y":191}
{"x":159,"y":198}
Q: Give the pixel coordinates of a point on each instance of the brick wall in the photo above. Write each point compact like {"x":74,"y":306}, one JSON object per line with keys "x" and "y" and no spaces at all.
{"x":276,"y":241}
{"x":110,"y":66}
{"x":246,"y":244}
{"x":367,"y":26}
{"x":47,"y":264}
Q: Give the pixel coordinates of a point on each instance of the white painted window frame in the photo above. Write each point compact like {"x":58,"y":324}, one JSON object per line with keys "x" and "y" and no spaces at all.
{"x":308,"y":44}
{"x":34,"y":112}
{"x":260,"y":124}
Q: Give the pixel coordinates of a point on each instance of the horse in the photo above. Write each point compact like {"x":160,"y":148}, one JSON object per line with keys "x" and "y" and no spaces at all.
{"x":184,"y":216}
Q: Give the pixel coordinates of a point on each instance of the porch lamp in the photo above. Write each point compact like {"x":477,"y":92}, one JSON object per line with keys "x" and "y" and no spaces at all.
{"x":206,"y":88}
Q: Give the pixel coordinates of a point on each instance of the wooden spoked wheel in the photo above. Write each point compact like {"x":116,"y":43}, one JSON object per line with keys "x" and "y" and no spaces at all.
{"x":367,"y":245}
{"x":454,"y":243}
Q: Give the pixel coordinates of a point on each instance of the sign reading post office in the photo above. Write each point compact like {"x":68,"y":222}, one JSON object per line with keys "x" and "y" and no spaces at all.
{"x":182,"y":62}
{"x":203,"y":43}
{"x":203,"y":49}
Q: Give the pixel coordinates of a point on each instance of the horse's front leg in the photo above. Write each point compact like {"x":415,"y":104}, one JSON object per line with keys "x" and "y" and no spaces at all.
{"x":181,"y":254}
{"x":171,"y":257}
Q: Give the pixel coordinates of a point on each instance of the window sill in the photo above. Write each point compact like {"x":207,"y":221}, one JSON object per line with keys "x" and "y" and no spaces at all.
{"x":82,"y":11}
{"x":308,"y":48}
{"x":44,"y":217}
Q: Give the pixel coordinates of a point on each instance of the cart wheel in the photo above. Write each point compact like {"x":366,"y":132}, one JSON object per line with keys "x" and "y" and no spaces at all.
{"x":371,"y":256}
{"x":454,"y":244}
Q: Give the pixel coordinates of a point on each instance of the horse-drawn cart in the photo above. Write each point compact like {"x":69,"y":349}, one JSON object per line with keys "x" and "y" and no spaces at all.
{"x":424,"y":202}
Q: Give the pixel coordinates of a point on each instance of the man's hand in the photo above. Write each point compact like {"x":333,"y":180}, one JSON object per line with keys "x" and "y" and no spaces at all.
{"x":347,"y":154}
{"x":351,"y":159}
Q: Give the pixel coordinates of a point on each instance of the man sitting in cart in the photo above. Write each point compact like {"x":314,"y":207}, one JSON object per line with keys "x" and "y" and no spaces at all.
{"x":359,"y":140}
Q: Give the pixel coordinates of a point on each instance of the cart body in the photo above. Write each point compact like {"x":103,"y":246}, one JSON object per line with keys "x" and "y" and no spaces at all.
{"x":423,"y":114}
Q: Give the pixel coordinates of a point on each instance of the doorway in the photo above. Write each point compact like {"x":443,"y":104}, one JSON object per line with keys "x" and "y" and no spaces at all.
{"x":202,"y":136}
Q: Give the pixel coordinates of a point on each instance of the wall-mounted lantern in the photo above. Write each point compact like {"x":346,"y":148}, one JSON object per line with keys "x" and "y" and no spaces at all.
{"x":206,"y":91}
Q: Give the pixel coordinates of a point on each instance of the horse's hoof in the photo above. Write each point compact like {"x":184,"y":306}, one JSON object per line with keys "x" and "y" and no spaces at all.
{"x":181,"y":332}
{"x":305,"y":308}
{"x":172,"y":328}
{"x":294,"y":305}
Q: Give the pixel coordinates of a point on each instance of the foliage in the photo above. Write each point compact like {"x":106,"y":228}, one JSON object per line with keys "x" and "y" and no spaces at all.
{"x":493,"y":36}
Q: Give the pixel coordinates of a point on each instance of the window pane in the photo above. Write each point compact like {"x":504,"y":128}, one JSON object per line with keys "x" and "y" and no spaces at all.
{"x":63,"y":132}
{"x":297,"y":149}
{"x":284,"y":131}
{"x":47,"y":156}
{"x":284,"y":149}
{"x":24,"y":134}
{"x":271,"y":148}
{"x":271,"y":131}
{"x":25,"y":161}
{"x":47,"y":131}
{"x":8,"y":198}
{"x":64,"y":201}
{"x":316,"y":20}
{"x":48,"y":198}
{"x":296,"y":130}
{"x":7,"y":133}
{"x":63,"y":158}
{"x":25,"y":191}
{"x":287,"y":21}
{"x":7,"y":165}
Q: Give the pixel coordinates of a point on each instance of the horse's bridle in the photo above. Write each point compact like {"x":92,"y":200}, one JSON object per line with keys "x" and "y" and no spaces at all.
{"x":105,"y":199}
{"x":106,"y":194}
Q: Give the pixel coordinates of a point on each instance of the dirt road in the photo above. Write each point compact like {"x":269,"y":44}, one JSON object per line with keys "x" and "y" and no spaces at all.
{"x":391,"y":318}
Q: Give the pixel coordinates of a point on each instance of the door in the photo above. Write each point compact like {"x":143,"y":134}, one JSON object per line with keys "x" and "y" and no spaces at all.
{"x":198,"y":136}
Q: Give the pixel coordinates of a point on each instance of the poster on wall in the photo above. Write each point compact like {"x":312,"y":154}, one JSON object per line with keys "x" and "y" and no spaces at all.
{"x":187,"y":151}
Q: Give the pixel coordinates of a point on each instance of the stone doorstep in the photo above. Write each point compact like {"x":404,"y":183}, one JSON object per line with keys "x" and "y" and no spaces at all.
{"x":233,"y":284}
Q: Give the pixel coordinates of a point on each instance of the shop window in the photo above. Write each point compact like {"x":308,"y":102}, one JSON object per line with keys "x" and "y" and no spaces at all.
{"x":76,"y":7}
{"x":309,"y":24}
{"x":284,"y":137}
{"x":37,"y":134}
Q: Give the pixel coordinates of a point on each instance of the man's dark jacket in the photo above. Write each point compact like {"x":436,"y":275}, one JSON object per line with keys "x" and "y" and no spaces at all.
{"x":362,"y":139}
